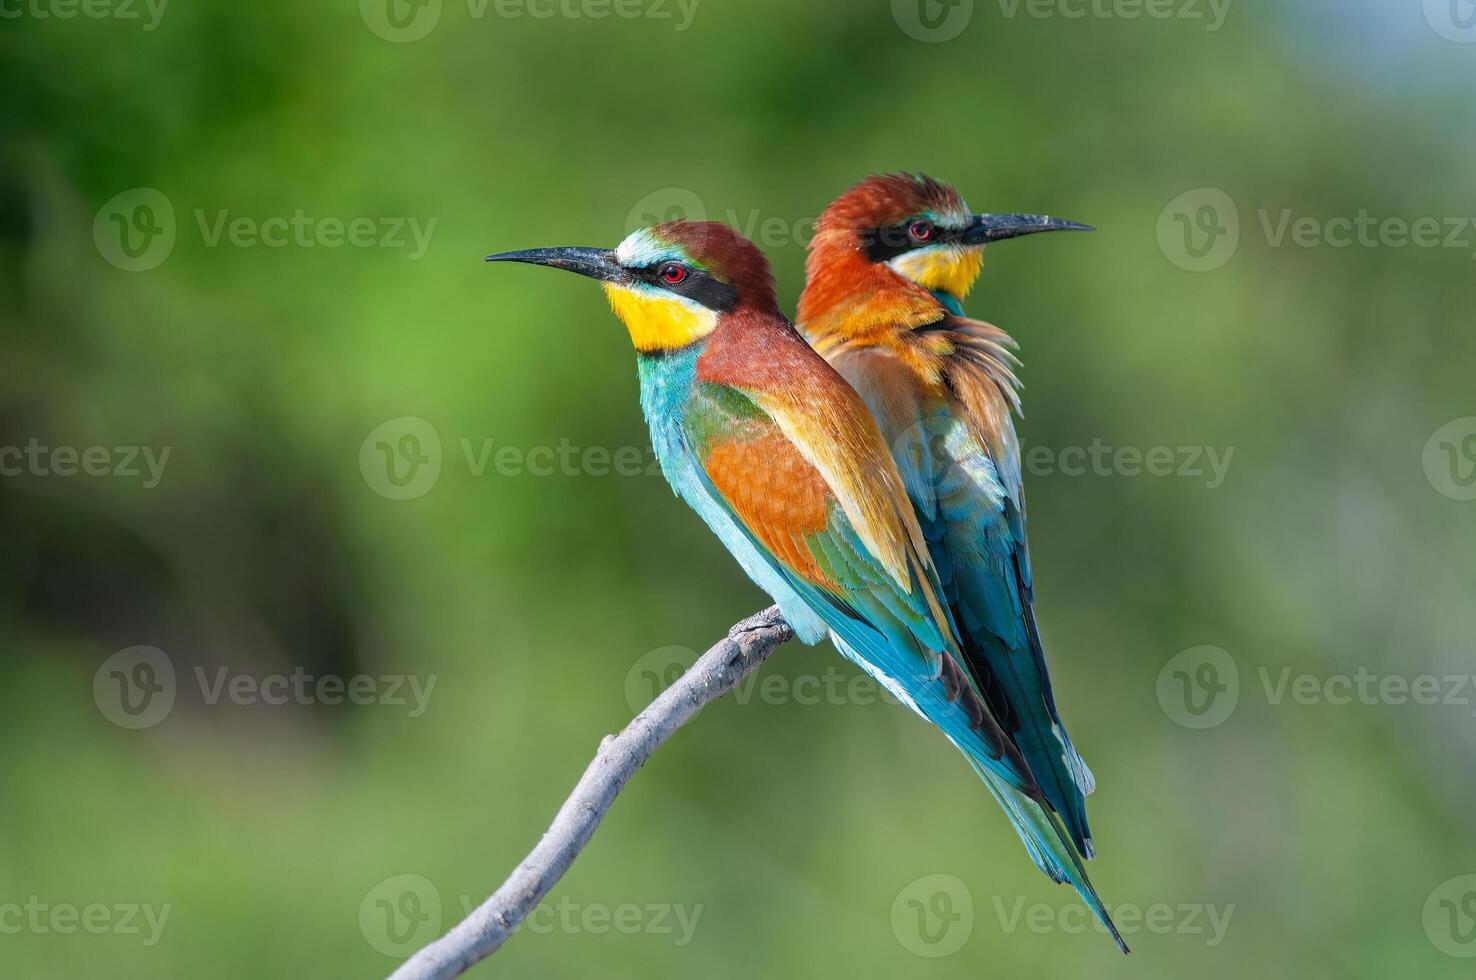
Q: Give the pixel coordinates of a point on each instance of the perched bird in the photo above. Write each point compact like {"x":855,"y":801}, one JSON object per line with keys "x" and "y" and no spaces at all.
{"x":889,"y":265}
{"x":781,"y":459}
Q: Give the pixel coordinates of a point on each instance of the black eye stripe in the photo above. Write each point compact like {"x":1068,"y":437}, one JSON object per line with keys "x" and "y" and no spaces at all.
{"x":886,"y":243}
{"x":699,"y":286}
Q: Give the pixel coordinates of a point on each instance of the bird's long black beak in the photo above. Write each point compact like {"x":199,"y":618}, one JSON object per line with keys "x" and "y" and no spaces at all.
{"x":998,"y":227}
{"x":597,"y":263}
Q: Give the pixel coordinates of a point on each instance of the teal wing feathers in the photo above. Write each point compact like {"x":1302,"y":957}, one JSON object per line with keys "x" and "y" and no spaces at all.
{"x":884,"y":629}
{"x":978,"y":537}
{"x":823,"y":560}
{"x":969,"y":501}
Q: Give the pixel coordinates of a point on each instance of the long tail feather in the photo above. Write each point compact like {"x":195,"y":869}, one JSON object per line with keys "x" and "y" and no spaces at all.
{"x":1047,"y":843}
{"x":1045,"y":839}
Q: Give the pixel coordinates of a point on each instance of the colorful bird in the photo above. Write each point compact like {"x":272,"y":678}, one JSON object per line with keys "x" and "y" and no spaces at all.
{"x":781,"y":459}
{"x":889,"y":266}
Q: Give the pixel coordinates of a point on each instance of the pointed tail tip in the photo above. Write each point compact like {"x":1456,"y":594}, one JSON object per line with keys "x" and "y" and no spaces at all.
{"x":1105,"y":917}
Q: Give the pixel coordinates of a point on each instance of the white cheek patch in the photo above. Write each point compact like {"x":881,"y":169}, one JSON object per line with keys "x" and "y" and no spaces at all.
{"x":919,"y":262}
{"x":949,"y":267}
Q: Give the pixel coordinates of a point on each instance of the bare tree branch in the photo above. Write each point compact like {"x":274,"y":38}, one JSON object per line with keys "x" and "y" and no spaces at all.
{"x":747,"y":645}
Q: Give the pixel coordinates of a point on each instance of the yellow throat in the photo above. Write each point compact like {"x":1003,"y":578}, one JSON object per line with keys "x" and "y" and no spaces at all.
{"x":950,"y":270}
{"x":659,"y":322}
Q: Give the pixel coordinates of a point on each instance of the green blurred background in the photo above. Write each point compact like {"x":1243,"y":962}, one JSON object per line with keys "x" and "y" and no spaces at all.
{"x":774,"y":836}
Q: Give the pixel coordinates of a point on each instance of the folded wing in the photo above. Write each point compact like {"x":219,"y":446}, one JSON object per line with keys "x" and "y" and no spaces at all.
{"x":956,"y":448}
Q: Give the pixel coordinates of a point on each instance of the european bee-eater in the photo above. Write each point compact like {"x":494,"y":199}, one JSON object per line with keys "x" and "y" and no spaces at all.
{"x":779,"y":456}
{"x":888,"y":268}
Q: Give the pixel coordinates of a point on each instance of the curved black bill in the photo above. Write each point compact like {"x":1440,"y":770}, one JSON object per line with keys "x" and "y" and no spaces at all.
{"x":998,"y":227}
{"x":597,"y":263}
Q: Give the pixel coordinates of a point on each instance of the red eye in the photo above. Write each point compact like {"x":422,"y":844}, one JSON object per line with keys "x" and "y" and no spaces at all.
{"x":673,"y":273}
{"x":920,"y":231}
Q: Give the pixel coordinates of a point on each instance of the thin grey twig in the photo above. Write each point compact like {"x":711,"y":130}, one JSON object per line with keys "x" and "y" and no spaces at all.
{"x":479,"y":935}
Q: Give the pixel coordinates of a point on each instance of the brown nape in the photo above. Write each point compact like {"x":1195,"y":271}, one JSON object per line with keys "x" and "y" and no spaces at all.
{"x":841,"y":282}
{"x":729,"y":256}
{"x":886,"y":199}
{"x":757,"y":350}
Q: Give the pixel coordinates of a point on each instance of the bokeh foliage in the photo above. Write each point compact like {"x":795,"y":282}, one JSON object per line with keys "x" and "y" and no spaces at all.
{"x":529,"y":598}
